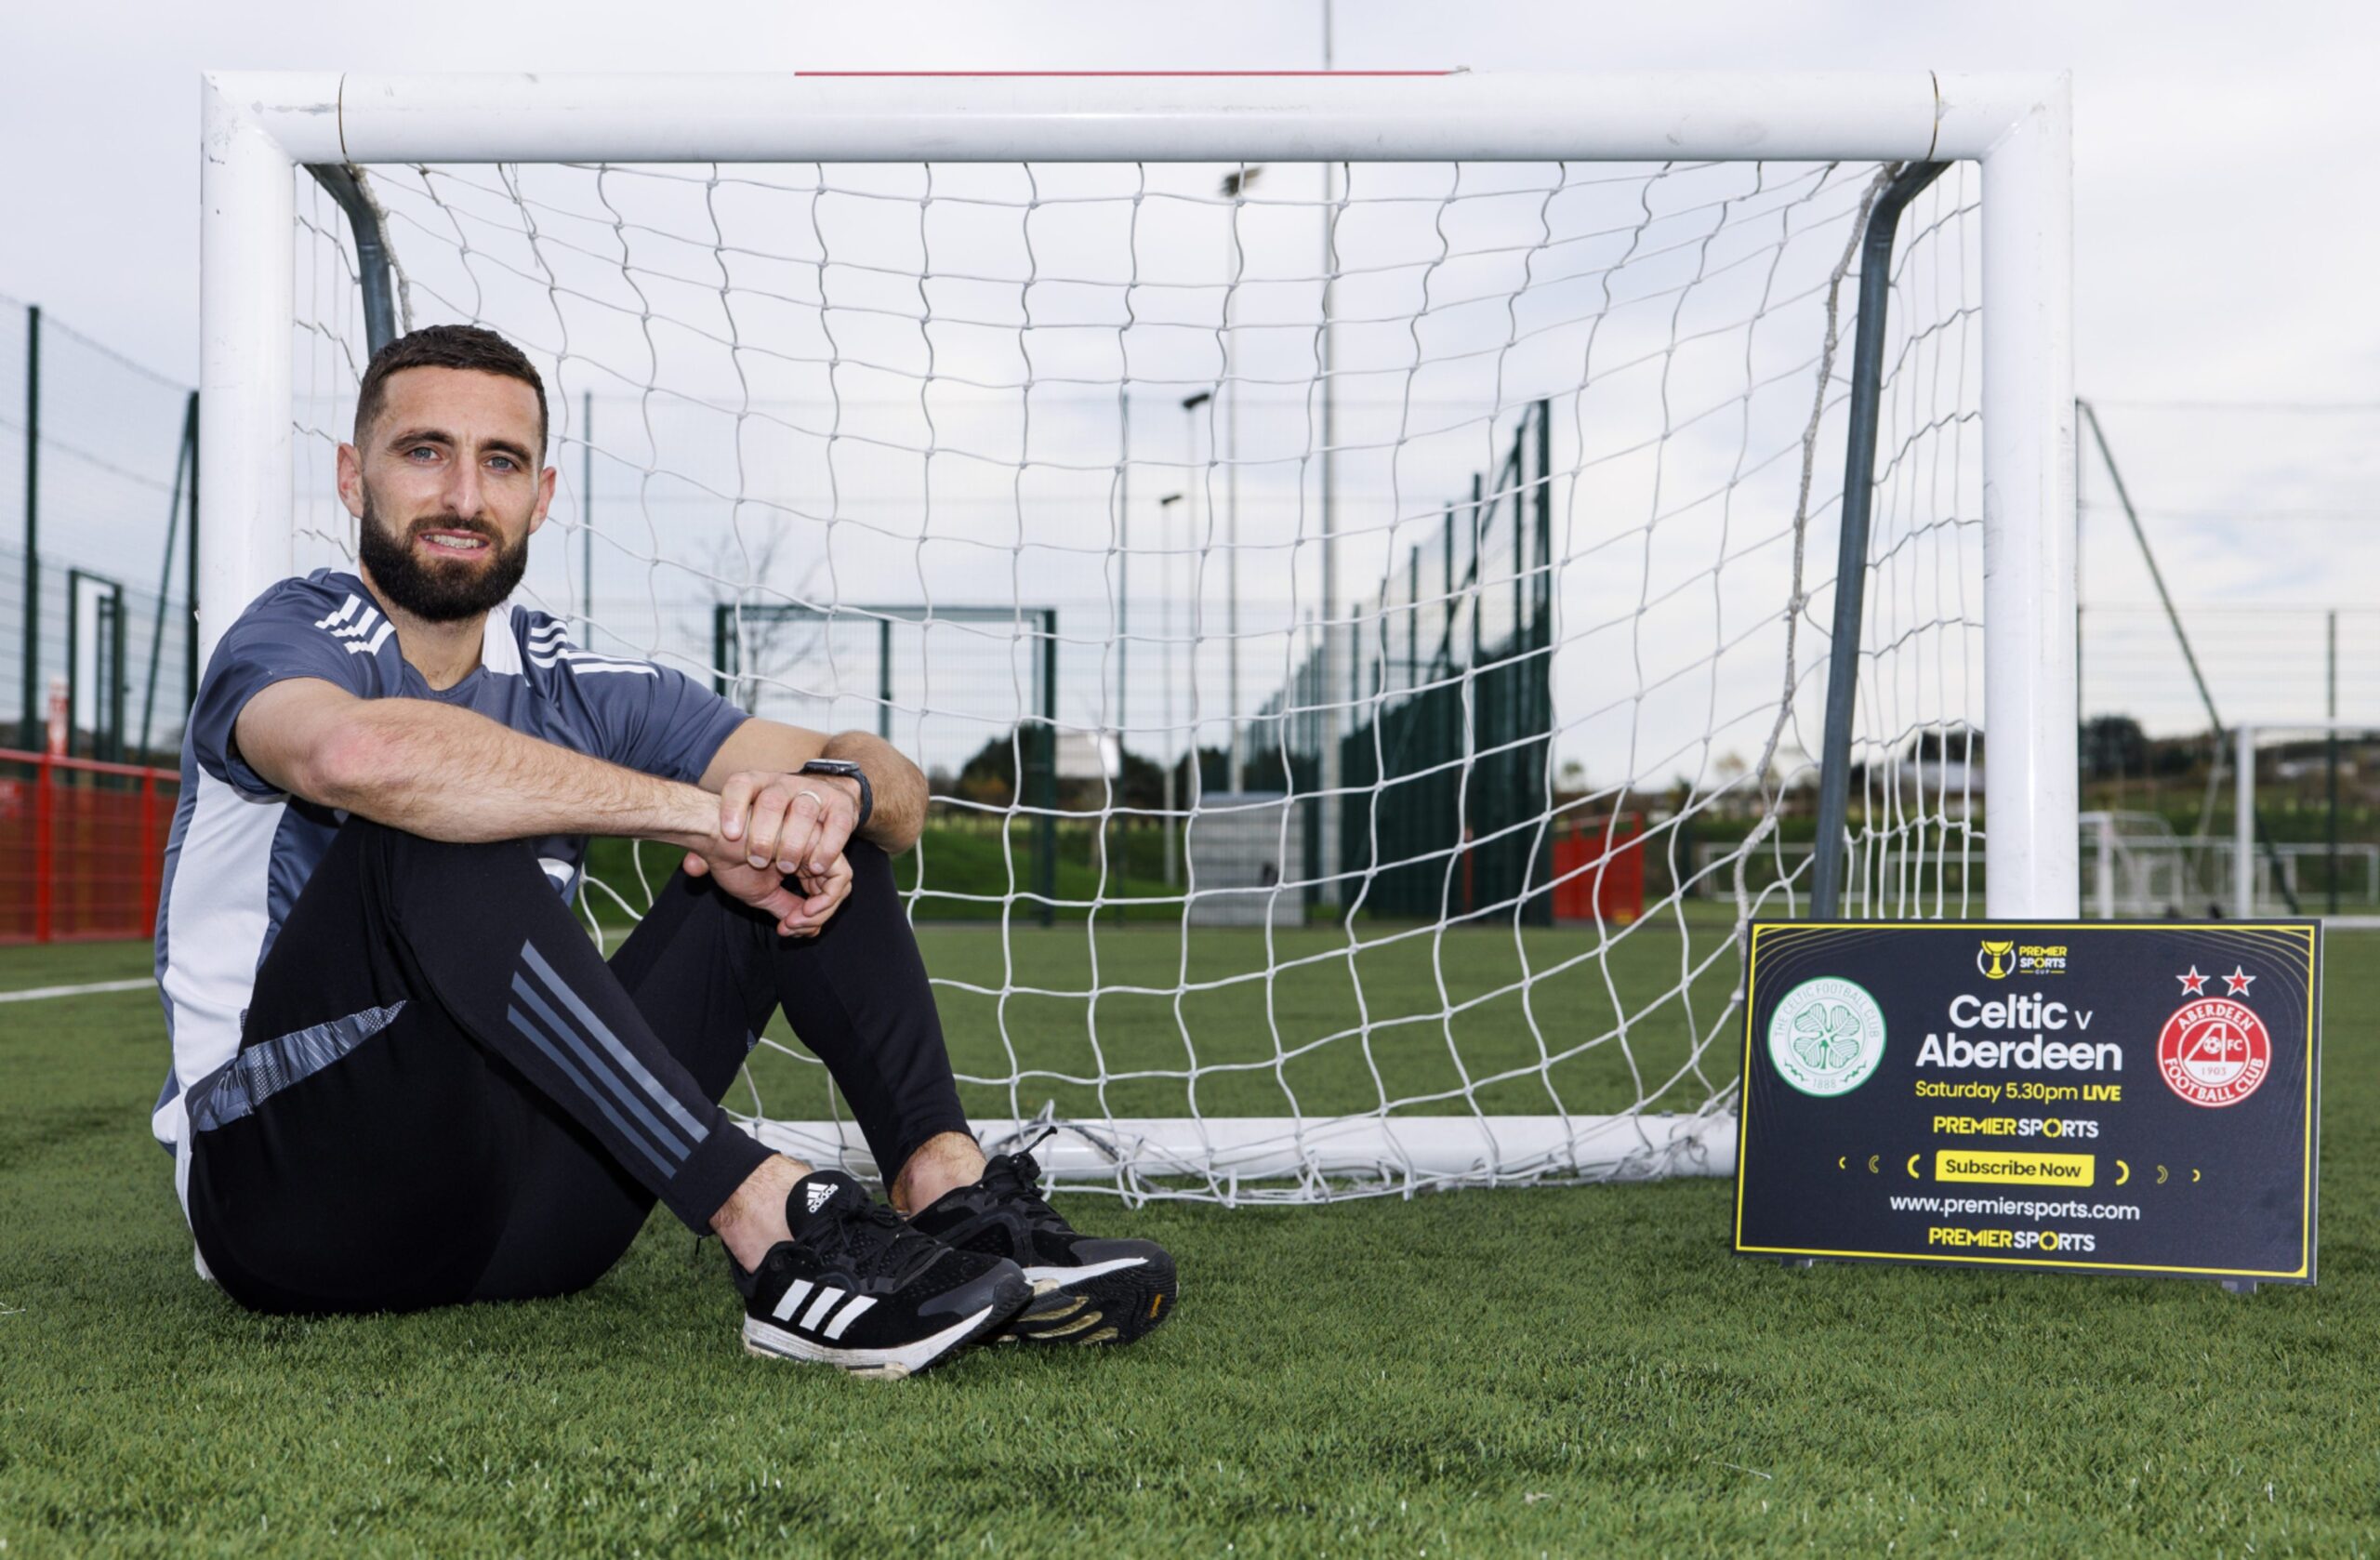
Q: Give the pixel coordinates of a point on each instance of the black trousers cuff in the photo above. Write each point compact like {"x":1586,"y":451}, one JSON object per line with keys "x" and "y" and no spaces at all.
{"x":721,"y":1162}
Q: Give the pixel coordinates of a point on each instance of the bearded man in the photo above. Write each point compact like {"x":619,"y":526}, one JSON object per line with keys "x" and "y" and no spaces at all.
{"x":403,"y":1076}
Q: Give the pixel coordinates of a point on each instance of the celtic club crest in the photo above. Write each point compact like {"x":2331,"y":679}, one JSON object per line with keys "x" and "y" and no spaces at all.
{"x":1826,"y":1036}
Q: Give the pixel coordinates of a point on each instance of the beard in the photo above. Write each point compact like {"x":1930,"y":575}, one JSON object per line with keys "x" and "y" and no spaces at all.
{"x":438,"y":589}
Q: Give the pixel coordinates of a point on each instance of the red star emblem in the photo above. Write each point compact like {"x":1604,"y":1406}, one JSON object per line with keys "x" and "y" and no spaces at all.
{"x":2193,"y":983}
{"x":2238,"y":981}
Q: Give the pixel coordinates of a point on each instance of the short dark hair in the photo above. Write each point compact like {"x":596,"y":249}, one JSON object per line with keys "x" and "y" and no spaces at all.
{"x":446,"y":347}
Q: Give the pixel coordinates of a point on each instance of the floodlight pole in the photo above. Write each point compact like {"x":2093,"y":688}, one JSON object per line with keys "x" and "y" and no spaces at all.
{"x":1330,"y":774}
{"x":1123,"y":566}
{"x":1235,"y":186}
{"x":587,"y":519}
{"x":1190,"y":405}
{"x":1165,"y":631}
{"x":2244,"y":824}
{"x":2331,"y":757}
{"x":165,"y":577}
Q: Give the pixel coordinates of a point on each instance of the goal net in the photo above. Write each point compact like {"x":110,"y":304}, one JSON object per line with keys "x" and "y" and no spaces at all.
{"x":1313,"y":590}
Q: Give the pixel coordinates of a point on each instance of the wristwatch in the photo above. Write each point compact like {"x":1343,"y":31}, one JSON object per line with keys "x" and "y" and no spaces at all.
{"x":848,"y":771}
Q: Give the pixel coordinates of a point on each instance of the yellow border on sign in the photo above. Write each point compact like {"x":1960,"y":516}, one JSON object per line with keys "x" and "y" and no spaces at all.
{"x":2306,"y":1207}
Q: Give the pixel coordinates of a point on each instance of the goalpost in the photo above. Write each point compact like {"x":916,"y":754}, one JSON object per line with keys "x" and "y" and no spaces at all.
{"x":1420,"y":466}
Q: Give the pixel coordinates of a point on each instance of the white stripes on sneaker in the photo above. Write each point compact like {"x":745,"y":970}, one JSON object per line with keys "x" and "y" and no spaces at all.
{"x":827,"y":1298}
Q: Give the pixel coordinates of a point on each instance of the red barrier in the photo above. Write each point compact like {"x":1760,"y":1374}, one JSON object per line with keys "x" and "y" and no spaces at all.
{"x":82,"y":847}
{"x":1599,"y":869}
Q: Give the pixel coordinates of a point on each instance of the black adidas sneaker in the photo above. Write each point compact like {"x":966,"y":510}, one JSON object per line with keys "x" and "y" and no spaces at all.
{"x":858,"y":1288}
{"x":1108,"y":1292}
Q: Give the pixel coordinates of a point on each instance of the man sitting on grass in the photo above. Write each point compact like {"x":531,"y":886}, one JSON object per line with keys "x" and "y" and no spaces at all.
{"x":402,"y":1075}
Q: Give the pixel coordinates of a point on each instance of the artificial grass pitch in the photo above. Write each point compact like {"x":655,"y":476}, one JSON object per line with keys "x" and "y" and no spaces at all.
{"x":1563,"y":1371}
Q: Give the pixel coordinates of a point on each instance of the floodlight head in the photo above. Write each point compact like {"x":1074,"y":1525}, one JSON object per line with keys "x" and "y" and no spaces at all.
{"x":1192,"y":402}
{"x":1235,"y":184}
{"x":1169,"y":500}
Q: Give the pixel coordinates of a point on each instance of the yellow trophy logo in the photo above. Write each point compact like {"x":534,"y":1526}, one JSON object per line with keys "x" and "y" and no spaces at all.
{"x":1993,"y":961}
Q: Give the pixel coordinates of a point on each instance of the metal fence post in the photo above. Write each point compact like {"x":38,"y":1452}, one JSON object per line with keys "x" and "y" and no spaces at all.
{"x":190,"y":584}
{"x":152,"y":865}
{"x":1539,"y":867}
{"x":45,"y":858}
{"x":27,"y":732}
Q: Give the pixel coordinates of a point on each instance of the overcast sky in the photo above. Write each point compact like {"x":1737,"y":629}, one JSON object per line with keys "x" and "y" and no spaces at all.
{"x":2225,"y":235}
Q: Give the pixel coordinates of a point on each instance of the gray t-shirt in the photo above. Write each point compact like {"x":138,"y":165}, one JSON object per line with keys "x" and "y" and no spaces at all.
{"x":241,"y":851}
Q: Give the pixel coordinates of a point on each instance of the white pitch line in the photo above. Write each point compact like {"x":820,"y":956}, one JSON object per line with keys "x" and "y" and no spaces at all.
{"x":37,"y":993}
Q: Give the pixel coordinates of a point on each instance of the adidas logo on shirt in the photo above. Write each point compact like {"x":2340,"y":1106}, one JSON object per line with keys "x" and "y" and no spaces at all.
{"x":550,"y":646}
{"x":362,"y":626}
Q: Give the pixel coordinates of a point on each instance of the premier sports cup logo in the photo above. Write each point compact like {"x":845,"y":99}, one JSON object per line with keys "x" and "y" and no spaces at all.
{"x":1826,"y":1036}
{"x":2214,"y":1053}
{"x":1993,"y":960}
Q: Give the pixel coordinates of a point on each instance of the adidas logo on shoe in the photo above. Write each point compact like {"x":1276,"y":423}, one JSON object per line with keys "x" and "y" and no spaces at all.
{"x":853,"y":1286}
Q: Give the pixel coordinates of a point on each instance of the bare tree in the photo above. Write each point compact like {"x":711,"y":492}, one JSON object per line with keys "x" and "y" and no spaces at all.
{"x":740,"y":568}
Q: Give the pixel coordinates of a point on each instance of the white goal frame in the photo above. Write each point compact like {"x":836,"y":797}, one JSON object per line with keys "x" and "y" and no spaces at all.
{"x":257,"y":128}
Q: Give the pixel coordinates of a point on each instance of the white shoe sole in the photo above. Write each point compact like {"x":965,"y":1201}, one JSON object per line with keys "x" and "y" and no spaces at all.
{"x":771,"y":1342}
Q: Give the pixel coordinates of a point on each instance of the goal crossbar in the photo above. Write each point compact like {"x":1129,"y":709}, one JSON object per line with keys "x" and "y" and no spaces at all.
{"x":1484,"y":116}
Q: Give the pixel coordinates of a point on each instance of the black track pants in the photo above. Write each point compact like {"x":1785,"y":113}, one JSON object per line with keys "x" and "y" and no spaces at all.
{"x":445,"y":1093}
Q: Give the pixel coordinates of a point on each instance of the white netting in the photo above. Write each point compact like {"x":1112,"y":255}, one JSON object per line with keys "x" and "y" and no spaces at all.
{"x":1277,"y":797}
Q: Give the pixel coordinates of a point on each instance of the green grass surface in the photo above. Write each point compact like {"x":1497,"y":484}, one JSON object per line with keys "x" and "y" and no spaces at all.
{"x":1568,"y":1371}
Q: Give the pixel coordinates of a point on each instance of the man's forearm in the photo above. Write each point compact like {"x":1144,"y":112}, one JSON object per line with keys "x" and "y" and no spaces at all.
{"x":899,"y":787}
{"x":453,"y":775}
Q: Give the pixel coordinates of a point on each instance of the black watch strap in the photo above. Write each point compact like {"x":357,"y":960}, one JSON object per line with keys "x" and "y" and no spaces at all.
{"x":848,"y":771}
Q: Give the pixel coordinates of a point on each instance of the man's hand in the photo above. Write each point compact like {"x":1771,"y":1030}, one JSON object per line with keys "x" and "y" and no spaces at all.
{"x":790,"y":830}
{"x":797,"y":823}
{"x":801,"y":904}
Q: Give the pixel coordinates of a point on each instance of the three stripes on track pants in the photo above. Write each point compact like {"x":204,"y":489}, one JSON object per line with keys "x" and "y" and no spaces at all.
{"x":569,"y":1034}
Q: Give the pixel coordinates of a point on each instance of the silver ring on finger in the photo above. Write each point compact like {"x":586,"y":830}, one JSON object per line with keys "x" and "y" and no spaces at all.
{"x":812,"y":796}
